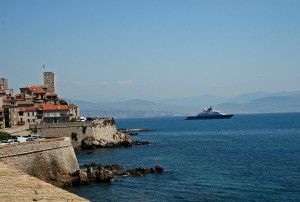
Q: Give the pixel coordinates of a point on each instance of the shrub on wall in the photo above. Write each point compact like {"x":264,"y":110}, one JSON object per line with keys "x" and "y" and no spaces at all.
{"x":84,"y":129}
{"x":34,"y":130}
{"x":73,"y":120}
{"x":74,"y":136}
{"x":4,"y":136}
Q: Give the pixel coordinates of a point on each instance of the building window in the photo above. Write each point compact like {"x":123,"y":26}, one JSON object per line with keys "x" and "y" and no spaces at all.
{"x":28,"y":120}
{"x":28,"y":114}
{"x":32,"y":113}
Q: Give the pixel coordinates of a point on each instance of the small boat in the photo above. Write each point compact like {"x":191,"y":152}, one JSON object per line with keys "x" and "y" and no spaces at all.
{"x":210,"y":114}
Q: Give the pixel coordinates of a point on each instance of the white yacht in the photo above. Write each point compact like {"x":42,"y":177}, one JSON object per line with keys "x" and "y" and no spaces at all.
{"x":210,"y":114}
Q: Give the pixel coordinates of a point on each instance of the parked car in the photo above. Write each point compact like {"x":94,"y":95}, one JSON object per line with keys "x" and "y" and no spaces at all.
{"x":21,"y":139}
{"x":13,"y":141}
{"x":33,"y":137}
{"x":4,"y":142}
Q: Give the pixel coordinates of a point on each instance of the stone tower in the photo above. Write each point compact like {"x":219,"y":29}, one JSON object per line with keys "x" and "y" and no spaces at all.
{"x":49,"y":81}
{"x":3,"y":84}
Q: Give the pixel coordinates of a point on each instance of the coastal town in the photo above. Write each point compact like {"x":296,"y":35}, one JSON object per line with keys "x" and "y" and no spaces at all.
{"x":48,"y":130}
{"x":34,"y":104}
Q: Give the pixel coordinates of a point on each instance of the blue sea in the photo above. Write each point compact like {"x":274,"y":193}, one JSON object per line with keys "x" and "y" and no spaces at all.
{"x":245,"y":158}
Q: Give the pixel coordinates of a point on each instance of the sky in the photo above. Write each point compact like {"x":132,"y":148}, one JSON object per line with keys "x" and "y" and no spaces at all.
{"x":116,"y":50}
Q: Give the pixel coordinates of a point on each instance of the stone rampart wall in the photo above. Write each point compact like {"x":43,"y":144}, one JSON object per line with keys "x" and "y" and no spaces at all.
{"x":19,"y":130}
{"x":102,"y":129}
{"x":49,"y":160}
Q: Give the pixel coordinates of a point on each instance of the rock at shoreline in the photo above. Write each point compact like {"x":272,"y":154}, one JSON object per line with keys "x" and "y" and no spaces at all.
{"x":92,"y":143}
{"x":119,"y":140}
{"x":81,"y":177}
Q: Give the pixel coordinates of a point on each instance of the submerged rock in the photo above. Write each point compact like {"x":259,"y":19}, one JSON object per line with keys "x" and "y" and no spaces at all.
{"x":105,"y":173}
{"x":159,"y":168}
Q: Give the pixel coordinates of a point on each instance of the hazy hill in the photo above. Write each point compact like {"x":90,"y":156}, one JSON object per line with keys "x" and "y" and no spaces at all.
{"x":195,"y":102}
{"x":272,"y":104}
{"x":260,"y":102}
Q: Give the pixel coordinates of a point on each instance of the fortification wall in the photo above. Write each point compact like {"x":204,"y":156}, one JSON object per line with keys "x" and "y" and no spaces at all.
{"x":49,"y":160}
{"x":103,"y":130}
{"x":19,"y":130}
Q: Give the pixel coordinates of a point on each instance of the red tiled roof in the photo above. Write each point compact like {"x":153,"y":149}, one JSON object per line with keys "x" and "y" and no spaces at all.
{"x":54,"y":107}
{"x":27,"y":109}
{"x":36,"y":89}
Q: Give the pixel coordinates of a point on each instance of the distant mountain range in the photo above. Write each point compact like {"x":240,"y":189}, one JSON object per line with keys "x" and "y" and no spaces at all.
{"x":258,"y":102}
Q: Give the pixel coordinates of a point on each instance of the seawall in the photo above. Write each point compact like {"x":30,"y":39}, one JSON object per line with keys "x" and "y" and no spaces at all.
{"x":49,"y":160}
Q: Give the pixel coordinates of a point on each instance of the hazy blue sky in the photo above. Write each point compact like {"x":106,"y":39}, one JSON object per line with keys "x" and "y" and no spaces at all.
{"x":151,"y":49}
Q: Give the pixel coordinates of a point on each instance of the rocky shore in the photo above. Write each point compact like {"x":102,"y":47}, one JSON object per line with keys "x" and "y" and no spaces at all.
{"x":98,"y":173}
{"x":124,"y":141}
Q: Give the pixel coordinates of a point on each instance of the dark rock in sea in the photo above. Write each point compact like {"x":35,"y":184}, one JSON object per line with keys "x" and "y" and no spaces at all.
{"x":104,"y":173}
{"x":159,"y":168}
{"x":140,"y":142}
{"x":89,"y":143}
{"x":80,"y":178}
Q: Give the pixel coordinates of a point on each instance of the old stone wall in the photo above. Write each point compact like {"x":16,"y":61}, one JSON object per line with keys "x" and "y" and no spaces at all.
{"x":49,"y":160}
{"x":20,"y":130}
{"x":102,"y":130}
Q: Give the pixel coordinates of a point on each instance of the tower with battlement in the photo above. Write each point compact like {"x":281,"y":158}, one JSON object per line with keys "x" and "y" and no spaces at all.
{"x":49,"y":81}
{"x":3,"y":84}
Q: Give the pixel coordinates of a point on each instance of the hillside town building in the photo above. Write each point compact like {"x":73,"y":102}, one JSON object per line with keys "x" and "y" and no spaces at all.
{"x":34,"y":104}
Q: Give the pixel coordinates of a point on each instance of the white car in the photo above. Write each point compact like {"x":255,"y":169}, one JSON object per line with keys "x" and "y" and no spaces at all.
{"x":4,"y":142}
{"x":13,"y":141}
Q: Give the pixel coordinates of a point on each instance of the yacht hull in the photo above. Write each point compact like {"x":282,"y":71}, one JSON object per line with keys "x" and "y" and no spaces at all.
{"x":226,"y":116}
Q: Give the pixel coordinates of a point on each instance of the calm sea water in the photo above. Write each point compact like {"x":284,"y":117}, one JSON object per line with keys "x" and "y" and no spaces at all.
{"x":246,"y":158}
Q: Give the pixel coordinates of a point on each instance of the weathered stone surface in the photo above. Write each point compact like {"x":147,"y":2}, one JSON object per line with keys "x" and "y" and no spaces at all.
{"x":118,"y":140}
{"x":48,"y":160}
{"x":18,"y":186}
